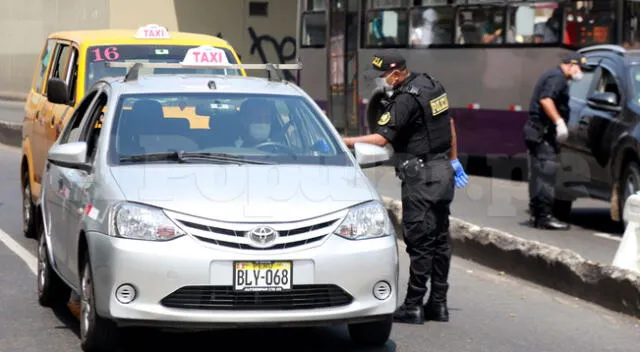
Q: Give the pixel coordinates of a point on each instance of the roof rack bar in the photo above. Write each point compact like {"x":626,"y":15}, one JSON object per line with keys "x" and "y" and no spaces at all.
{"x":273,"y":70}
{"x":604,"y":47}
{"x":296,"y":66}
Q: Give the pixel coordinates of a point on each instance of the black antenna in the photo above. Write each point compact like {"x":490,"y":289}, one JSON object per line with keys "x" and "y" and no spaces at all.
{"x":132,"y":75}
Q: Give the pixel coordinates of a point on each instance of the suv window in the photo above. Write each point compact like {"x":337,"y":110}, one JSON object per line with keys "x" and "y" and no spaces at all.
{"x":580,"y":89}
{"x":608,"y":83}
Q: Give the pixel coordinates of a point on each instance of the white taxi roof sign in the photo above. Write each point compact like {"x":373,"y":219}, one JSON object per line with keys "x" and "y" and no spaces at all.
{"x":205,"y":55}
{"x":152,"y":31}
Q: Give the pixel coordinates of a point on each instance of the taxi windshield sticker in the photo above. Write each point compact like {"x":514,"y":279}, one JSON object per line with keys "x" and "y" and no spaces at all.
{"x":439,"y":104}
{"x":205,"y":55}
{"x":384,"y":119}
{"x":152,"y":31}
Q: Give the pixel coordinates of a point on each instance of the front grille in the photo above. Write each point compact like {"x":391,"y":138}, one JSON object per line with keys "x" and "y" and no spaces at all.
{"x":224,"y":298}
{"x":294,"y":236}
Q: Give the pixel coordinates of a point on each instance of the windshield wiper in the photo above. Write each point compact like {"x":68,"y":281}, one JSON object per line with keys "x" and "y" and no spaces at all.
{"x":184,"y":157}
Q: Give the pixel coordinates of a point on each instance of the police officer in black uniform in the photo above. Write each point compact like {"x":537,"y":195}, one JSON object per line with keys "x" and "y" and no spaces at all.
{"x":418,"y":124}
{"x":544,"y":129}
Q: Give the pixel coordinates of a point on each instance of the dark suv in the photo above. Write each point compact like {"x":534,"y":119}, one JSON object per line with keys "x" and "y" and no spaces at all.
{"x":601,"y":159}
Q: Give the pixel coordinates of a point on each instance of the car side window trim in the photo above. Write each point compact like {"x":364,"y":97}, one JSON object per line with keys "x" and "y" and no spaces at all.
{"x":79,"y":114}
{"x":604,"y":68}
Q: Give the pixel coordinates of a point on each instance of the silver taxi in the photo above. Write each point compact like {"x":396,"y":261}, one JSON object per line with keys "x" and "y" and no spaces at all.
{"x":262,"y":217}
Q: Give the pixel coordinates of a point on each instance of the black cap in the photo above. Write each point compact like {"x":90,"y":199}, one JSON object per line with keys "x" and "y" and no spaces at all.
{"x":383,"y":62}
{"x":575,"y":58}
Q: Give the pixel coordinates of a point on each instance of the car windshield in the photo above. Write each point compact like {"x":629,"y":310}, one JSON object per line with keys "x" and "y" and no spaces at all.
{"x":274,"y":129}
{"x":98,"y":56}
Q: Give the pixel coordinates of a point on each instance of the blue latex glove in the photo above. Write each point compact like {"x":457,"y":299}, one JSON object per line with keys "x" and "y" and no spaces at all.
{"x":461,"y":178}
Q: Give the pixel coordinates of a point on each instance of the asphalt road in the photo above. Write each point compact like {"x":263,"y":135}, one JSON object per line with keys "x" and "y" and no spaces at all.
{"x":501,"y":204}
{"x":489,"y":311}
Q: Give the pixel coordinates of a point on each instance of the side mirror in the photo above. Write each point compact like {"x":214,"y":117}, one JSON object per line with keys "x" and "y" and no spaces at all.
{"x":604,"y":101}
{"x":369,"y":155}
{"x":70,"y":155}
{"x":57,"y":91}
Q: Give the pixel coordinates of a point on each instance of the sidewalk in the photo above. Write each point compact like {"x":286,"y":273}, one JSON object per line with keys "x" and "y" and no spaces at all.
{"x":501,"y":204}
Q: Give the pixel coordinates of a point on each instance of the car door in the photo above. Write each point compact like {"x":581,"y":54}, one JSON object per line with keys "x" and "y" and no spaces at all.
{"x":58,"y":205}
{"x":599,"y":124}
{"x":573,"y":167}
{"x":80,"y":181}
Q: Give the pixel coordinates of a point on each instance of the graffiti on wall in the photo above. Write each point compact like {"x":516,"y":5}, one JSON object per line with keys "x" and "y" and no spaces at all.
{"x":285,"y":49}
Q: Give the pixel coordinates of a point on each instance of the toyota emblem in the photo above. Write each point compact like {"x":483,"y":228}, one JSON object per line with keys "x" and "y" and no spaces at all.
{"x":262,"y":237}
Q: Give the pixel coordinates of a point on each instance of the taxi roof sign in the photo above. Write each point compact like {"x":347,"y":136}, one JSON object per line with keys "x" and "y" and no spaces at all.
{"x":152,"y":31}
{"x":204,"y":55}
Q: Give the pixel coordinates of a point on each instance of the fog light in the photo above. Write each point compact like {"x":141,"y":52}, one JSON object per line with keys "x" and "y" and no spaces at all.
{"x":382,"y":290}
{"x":125,"y":293}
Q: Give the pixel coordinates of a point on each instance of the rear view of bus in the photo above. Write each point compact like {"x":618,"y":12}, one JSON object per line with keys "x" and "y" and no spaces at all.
{"x":488,"y":55}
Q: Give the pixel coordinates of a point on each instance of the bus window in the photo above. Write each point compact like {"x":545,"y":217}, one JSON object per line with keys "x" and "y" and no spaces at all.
{"x":386,"y":23}
{"x":589,"y":22}
{"x":480,"y":25}
{"x":431,"y":26}
{"x":313,"y":24}
{"x":631,"y":35}
{"x":533,"y":23}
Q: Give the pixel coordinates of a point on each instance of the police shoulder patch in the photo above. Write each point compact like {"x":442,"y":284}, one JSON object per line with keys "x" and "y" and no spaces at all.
{"x":439,"y":104}
{"x":384,"y":119}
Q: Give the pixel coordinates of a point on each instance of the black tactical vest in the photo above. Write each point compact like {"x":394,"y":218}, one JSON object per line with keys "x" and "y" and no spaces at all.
{"x":432,"y":136}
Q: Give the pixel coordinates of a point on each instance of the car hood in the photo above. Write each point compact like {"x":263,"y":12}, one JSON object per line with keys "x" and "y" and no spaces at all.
{"x":245,"y":193}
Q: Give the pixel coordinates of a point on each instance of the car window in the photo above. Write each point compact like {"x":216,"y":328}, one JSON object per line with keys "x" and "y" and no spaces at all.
{"x":98,"y":56}
{"x":607,"y":83}
{"x":43,"y":63}
{"x":580,"y":89}
{"x":278,"y":128}
{"x":72,"y":129}
{"x":635,"y":83}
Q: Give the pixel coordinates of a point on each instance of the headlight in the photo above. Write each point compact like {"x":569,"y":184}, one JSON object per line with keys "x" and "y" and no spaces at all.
{"x":369,"y":220}
{"x":141,"y":222}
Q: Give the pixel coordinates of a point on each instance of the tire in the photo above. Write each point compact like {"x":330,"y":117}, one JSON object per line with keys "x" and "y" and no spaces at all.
{"x":96,"y":333}
{"x":562,"y":209}
{"x":629,"y":184}
{"x":29,"y":225}
{"x":371,"y":334}
{"x":52,"y":291}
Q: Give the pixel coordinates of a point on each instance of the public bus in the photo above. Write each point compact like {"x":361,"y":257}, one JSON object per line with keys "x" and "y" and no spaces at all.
{"x":488,"y":55}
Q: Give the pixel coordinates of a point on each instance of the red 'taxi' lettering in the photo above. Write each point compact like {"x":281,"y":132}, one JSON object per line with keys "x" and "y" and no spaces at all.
{"x":154,"y":33}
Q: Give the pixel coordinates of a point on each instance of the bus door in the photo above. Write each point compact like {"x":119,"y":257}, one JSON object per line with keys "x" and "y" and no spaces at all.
{"x":343,"y":104}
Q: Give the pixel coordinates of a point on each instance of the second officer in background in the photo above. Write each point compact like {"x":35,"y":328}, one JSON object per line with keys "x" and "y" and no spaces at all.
{"x":418,"y":124}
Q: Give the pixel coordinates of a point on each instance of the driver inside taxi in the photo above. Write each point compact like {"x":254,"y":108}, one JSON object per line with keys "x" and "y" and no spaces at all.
{"x":260,"y":121}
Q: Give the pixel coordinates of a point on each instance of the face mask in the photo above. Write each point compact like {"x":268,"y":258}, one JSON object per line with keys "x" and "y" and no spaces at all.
{"x":498,"y":20}
{"x":577,"y":76}
{"x":260,"y":131}
{"x":382,"y":83}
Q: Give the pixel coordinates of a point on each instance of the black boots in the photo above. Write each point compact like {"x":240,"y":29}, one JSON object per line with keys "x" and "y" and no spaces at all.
{"x":409,"y":315}
{"x":435,"y":309}
{"x":548,"y":222}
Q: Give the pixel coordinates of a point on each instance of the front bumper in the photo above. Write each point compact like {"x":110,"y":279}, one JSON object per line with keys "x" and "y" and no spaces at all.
{"x":158,"y":269}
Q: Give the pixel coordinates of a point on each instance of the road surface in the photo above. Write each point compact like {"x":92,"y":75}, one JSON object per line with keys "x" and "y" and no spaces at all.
{"x":489,"y":311}
{"x":11,"y":111}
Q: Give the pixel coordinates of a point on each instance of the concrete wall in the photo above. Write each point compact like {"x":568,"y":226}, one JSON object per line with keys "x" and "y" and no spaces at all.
{"x":25,"y":24}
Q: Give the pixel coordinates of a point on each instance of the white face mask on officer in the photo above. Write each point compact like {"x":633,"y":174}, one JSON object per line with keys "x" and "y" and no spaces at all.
{"x":577,"y":74}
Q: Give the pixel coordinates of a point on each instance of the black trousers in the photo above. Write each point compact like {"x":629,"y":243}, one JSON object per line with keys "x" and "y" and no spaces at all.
{"x":426,"y":200}
{"x":543,"y":161}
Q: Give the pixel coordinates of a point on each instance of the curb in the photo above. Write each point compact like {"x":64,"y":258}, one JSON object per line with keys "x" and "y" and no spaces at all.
{"x":11,"y":133}
{"x":13,"y":96}
{"x":560,"y":269}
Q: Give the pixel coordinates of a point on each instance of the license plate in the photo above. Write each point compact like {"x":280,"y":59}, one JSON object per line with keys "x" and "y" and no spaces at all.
{"x":262,"y":276}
